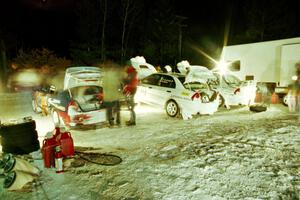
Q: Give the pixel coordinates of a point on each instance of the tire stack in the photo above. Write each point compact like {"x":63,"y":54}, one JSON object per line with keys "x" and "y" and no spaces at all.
{"x":19,"y":138}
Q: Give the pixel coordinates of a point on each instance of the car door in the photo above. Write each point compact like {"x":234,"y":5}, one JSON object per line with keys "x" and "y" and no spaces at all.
{"x":166,"y":89}
{"x":149,"y":89}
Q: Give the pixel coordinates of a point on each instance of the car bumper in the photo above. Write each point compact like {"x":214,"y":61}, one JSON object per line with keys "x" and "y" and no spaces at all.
{"x":88,"y":118}
{"x":189,"y":108}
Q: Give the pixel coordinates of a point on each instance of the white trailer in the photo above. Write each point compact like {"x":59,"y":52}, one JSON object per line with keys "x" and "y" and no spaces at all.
{"x":265,"y":62}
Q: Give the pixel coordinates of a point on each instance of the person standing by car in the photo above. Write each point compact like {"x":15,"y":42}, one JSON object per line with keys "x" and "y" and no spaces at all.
{"x":112,"y":81}
{"x":129,"y":90}
{"x":297,"y":89}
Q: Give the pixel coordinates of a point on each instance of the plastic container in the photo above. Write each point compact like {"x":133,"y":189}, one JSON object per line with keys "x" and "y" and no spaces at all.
{"x":48,"y":151}
{"x":67,"y":145}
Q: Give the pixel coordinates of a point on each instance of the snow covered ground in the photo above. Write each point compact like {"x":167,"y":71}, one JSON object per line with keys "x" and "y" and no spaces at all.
{"x":233,"y":154}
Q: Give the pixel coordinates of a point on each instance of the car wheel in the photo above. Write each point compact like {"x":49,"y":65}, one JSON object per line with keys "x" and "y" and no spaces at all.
{"x":258,"y":108}
{"x":172,"y":108}
{"x":35,"y":108}
{"x":221,"y":101}
{"x":285,"y":100}
{"x":55,"y":117}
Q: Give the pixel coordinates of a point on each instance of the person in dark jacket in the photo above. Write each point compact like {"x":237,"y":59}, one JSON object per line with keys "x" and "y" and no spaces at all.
{"x":112,"y":92}
{"x":129,"y":90}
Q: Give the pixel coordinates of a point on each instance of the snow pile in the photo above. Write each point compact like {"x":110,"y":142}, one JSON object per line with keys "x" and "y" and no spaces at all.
{"x":233,"y":154}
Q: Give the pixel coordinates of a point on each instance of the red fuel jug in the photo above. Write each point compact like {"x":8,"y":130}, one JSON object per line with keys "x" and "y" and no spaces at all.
{"x":48,"y":148}
{"x":274,"y":98}
{"x":66,"y":143}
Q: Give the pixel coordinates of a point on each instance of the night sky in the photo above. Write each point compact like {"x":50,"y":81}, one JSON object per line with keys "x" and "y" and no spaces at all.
{"x":52,"y":23}
{"x":40,"y":23}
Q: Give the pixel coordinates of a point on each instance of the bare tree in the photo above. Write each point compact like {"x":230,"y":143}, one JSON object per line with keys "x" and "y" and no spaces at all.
{"x":3,"y":64}
{"x":130,"y":10}
{"x":104,"y":10}
{"x":166,"y":23}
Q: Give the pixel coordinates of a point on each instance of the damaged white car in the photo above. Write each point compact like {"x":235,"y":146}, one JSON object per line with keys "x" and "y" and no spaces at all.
{"x":177,"y":96}
{"x":232,"y":90}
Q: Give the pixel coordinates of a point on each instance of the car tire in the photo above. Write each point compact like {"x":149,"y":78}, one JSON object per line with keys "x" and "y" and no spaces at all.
{"x":221,"y":101}
{"x":55,"y":118}
{"x":285,"y":100}
{"x":172,"y":108}
{"x":258,"y":108}
{"x":19,"y":138}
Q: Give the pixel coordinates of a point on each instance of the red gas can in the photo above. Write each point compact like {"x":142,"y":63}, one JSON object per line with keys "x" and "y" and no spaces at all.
{"x":274,"y":98}
{"x":48,"y":148}
{"x":66,"y":143}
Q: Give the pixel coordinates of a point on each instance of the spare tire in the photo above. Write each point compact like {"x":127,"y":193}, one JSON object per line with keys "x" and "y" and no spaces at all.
{"x":258,"y":108}
{"x":18,"y":127}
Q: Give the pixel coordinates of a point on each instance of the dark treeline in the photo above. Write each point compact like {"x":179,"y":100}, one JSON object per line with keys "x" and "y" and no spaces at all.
{"x":163,"y":31}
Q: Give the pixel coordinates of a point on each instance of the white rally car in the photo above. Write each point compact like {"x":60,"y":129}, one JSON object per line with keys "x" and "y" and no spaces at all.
{"x":80,"y":103}
{"x":177,"y":96}
{"x":232,"y":90}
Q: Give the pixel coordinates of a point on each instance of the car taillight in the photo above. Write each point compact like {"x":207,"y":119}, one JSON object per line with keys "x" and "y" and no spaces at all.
{"x":196,"y":95}
{"x":73,"y":106}
{"x":237,"y":90}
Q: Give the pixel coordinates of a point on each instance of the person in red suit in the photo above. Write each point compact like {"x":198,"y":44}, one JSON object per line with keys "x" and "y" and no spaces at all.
{"x":129,"y":90}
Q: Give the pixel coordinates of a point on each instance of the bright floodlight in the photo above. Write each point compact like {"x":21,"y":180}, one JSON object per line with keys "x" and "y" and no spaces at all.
{"x":294,"y":78}
{"x":222,"y":66}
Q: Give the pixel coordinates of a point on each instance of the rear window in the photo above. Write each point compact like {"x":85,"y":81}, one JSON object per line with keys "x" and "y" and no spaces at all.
{"x":143,"y":66}
{"x":167,"y":81}
{"x":196,"y":86}
{"x":85,"y":91}
{"x":86,"y":97}
{"x":232,"y":80}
